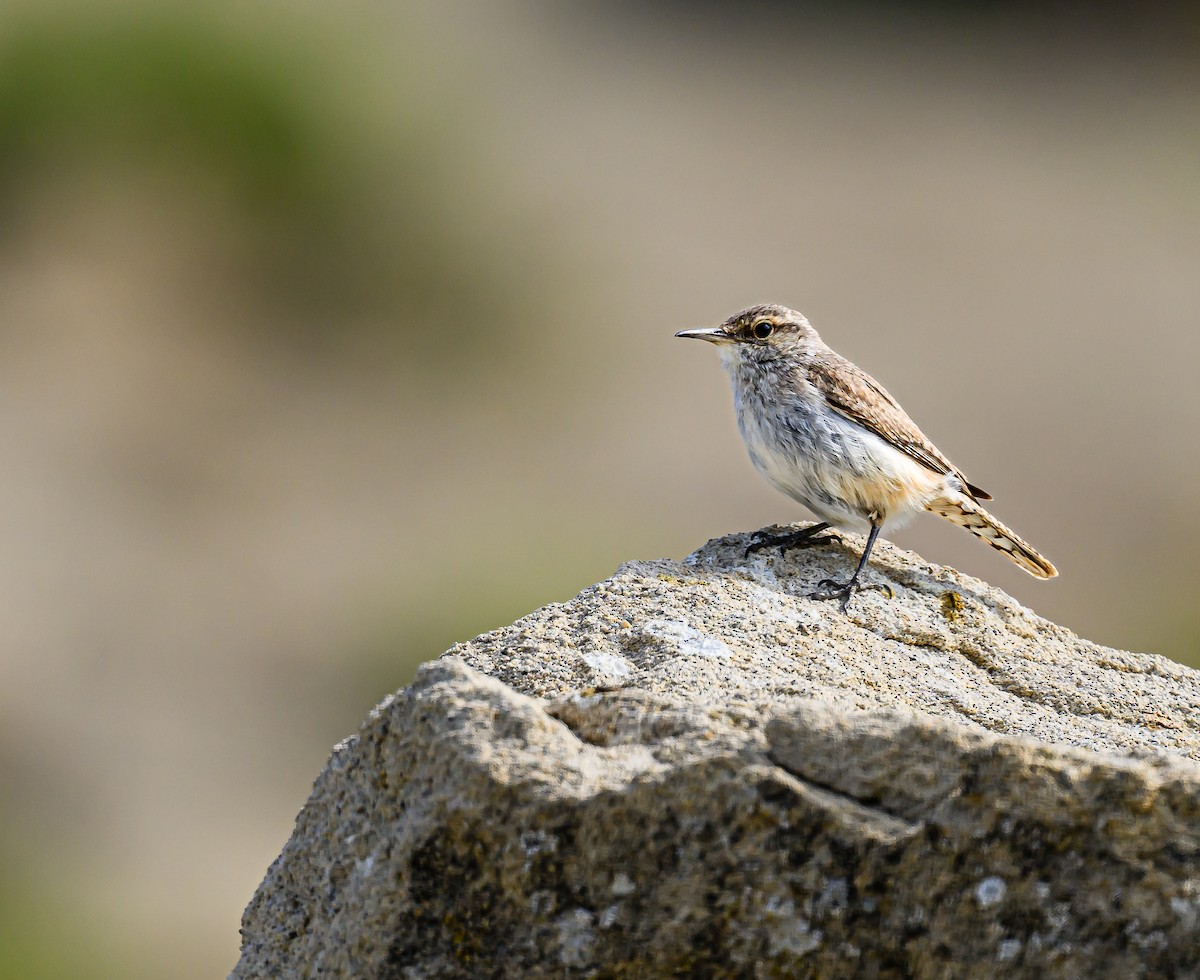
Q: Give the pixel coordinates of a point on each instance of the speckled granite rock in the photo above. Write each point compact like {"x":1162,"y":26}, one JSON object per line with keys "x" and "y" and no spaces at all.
{"x":691,"y":769}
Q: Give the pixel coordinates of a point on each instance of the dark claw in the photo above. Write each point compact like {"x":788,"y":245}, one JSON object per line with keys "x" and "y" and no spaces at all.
{"x":828,"y":588}
{"x":806,"y":537}
{"x":836,"y":590}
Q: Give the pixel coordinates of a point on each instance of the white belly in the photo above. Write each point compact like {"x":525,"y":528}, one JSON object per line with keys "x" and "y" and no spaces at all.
{"x":840,"y":471}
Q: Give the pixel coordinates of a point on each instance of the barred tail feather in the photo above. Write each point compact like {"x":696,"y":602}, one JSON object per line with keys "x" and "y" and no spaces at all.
{"x":966,"y":513}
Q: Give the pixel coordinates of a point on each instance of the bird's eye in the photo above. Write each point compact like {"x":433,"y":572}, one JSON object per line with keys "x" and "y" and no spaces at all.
{"x":762,"y":330}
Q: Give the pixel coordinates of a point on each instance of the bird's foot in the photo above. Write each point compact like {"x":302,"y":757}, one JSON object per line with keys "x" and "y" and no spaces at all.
{"x":806,"y":537}
{"x":831,"y":589}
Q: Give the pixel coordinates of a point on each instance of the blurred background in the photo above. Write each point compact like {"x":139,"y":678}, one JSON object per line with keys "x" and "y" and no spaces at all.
{"x":332,"y":334}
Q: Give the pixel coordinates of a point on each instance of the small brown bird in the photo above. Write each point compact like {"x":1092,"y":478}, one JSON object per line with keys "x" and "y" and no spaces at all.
{"x":827,"y":434}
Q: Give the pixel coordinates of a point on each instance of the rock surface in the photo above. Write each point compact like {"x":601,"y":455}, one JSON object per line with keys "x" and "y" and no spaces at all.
{"x":692,"y":769}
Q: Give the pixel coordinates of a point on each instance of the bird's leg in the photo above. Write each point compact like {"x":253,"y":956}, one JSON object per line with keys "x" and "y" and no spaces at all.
{"x":804,"y":538}
{"x":829,"y":589}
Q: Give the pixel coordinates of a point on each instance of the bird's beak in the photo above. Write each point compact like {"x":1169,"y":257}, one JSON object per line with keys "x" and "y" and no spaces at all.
{"x":714,"y":335}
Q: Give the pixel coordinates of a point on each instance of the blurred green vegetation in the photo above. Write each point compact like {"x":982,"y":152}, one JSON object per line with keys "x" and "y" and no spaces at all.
{"x":155,"y":84}
{"x":338,"y":188}
{"x":44,"y":933}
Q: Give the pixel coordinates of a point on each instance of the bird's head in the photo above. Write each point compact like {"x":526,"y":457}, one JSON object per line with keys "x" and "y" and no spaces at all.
{"x":761,"y":333}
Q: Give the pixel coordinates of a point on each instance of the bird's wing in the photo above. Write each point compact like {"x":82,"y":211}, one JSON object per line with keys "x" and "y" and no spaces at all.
{"x":855,"y":395}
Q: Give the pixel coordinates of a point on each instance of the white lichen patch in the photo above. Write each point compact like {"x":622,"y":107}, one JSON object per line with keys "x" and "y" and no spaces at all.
{"x":990,"y":891}
{"x":834,"y":897}
{"x":757,"y":569}
{"x":1186,"y":909}
{"x":610,"y":666}
{"x":1009,"y":950}
{"x":688,"y":641}
{"x":788,"y":932}
{"x":576,"y":938}
{"x":774,"y":604}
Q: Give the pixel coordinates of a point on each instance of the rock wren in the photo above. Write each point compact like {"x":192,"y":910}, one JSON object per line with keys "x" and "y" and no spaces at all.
{"x":827,"y":434}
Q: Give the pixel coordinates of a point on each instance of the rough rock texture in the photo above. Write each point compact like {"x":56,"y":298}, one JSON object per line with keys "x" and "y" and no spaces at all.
{"x":692,"y":769}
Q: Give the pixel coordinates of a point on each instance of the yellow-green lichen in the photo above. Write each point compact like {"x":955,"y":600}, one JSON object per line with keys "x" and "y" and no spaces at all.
{"x":952,"y":606}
